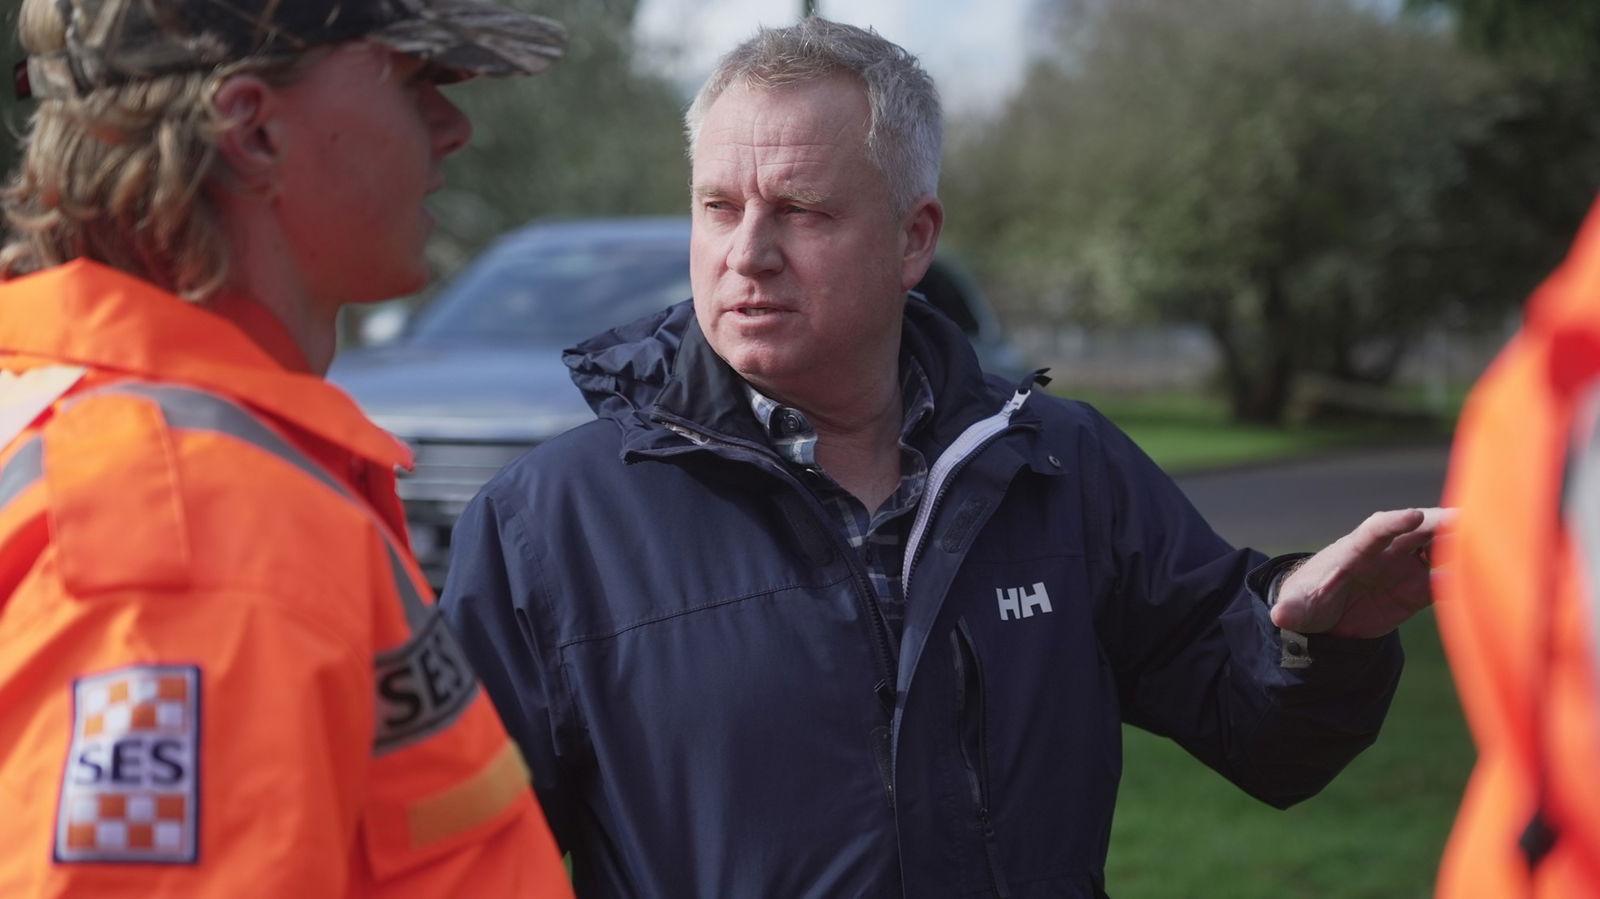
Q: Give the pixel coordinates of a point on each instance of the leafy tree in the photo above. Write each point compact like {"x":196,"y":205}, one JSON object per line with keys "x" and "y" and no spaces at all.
{"x":1559,"y":34}
{"x":590,"y":136}
{"x":1535,"y":173}
{"x":1274,"y":170}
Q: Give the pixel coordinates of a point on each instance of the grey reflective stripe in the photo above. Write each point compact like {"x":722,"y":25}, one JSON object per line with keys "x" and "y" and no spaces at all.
{"x":1580,"y":502}
{"x":21,"y":471}
{"x":421,"y":686}
{"x":196,"y":410}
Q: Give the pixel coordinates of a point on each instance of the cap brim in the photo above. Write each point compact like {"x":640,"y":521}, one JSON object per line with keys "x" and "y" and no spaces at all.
{"x":479,"y":37}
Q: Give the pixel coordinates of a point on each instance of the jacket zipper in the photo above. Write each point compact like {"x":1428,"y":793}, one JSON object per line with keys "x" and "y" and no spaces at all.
{"x":974,"y":740}
{"x":974,"y":438}
{"x":761,"y":457}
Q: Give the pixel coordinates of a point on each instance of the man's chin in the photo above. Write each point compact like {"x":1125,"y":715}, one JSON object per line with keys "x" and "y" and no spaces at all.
{"x":757,"y":374}
{"x":753,"y":366}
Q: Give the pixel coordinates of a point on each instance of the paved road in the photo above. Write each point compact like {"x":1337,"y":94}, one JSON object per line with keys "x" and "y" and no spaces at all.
{"x":1310,"y":503}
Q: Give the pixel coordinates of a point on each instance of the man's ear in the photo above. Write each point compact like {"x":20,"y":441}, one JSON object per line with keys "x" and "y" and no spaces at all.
{"x":251,"y":139}
{"x":919,"y":232}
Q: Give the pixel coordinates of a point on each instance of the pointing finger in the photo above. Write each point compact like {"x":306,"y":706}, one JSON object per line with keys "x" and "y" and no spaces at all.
{"x":1381,"y":528}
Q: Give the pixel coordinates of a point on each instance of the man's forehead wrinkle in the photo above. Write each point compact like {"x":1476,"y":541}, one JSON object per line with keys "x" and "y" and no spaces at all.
{"x":782,"y":186}
{"x":787,"y":154}
{"x":842,"y":133}
{"x":792,"y":175}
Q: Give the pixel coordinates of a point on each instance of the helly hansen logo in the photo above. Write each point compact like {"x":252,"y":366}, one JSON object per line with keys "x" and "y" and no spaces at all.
{"x":130,"y":792}
{"x":1020,"y":602}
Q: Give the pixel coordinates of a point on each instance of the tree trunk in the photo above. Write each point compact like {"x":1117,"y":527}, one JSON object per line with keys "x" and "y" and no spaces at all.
{"x":1262,"y":396}
{"x":1260,"y":374}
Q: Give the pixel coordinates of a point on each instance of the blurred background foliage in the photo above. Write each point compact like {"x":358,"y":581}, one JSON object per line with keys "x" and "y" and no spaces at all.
{"x":594,"y":135}
{"x":1316,"y":185}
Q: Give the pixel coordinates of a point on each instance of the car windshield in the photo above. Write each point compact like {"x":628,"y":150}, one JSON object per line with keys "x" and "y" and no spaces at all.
{"x":557,"y":294}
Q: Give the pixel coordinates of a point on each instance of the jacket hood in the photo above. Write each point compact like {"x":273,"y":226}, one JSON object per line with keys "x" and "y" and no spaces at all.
{"x":622,"y":371}
{"x":641,"y":373}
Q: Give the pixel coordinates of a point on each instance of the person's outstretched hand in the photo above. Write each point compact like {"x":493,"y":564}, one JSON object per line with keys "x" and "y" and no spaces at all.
{"x":1366,"y":582}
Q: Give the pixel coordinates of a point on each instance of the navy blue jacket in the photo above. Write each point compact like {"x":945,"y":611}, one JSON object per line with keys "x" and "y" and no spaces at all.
{"x":692,"y":661}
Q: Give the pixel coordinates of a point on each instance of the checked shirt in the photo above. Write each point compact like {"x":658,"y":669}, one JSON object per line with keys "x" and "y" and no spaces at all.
{"x":878,"y":537}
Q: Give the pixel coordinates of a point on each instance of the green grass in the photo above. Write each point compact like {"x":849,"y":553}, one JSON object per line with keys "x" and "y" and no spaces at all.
{"x":1377,"y":831}
{"x":1184,"y":431}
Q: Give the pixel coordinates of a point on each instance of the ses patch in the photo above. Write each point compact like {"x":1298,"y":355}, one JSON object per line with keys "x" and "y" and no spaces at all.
{"x":131,"y":789}
{"x":422,"y":686}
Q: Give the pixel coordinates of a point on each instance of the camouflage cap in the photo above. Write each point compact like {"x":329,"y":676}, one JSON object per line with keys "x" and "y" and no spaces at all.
{"x":115,"y":41}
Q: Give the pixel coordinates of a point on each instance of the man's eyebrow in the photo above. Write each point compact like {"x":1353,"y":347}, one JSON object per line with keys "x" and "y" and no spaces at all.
{"x":787,"y":194}
{"x":801,"y":195}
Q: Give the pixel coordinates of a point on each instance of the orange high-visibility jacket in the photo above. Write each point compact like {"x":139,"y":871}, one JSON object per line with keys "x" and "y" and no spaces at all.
{"x":1518,"y":601}
{"x":220,"y":671}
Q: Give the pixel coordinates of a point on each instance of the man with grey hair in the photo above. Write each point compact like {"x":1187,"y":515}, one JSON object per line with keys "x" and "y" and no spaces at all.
{"x":816,"y":608}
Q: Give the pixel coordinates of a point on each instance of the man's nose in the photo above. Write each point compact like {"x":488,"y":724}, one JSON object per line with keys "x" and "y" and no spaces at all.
{"x":450,"y":126}
{"x":755,"y":250}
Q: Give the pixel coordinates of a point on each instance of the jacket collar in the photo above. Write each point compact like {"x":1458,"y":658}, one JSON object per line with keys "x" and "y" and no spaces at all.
{"x":707,"y":391}
{"x":89,"y":314}
{"x":663,"y":368}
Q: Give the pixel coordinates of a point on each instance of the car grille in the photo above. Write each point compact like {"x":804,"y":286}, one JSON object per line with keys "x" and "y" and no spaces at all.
{"x":448,"y":474}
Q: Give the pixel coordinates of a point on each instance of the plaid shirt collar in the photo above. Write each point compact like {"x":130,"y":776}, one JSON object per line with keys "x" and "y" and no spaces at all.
{"x":794,"y":437}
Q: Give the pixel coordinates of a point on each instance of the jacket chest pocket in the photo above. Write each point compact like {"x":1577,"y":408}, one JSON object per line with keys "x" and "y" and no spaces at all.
{"x":1033,"y":712}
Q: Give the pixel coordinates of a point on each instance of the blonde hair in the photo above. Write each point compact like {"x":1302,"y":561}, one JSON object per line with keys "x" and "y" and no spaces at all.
{"x":118,"y":175}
